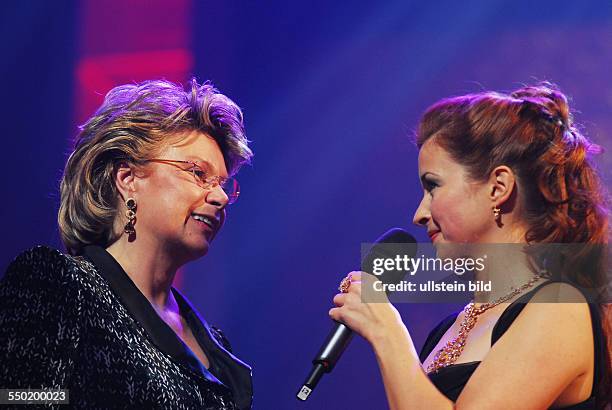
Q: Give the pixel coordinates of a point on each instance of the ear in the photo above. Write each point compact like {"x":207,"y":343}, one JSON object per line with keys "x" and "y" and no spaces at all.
{"x":124,"y":179}
{"x":502,"y":182}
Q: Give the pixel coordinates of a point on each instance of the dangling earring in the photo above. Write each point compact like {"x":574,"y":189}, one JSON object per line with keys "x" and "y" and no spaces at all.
{"x":496,"y":213}
{"x":130,"y":203}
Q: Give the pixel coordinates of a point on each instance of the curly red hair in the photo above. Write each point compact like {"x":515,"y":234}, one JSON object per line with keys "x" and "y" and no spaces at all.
{"x":531,"y":130}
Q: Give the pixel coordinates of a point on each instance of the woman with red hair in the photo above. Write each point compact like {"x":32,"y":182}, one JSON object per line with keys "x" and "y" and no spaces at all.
{"x":504,"y":169}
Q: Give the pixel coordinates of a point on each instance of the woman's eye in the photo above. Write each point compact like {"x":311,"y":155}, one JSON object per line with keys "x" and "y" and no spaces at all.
{"x":199,"y":173}
{"x":430,"y":185}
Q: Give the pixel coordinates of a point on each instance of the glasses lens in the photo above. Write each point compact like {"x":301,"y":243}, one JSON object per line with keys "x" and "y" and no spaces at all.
{"x":231,"y":189}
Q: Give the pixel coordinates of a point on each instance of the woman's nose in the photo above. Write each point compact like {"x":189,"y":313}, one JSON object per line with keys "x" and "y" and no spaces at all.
{"x":216,"y":196}
{"x":422,"y":214}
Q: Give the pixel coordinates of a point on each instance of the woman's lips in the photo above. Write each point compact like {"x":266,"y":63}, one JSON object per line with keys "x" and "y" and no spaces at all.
{"x":205,"y":227}
{"x":434,"y":235}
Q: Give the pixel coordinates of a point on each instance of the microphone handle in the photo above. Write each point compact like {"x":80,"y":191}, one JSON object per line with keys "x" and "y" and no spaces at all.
{"x":335,"y":344}
{"x":333,"y":347}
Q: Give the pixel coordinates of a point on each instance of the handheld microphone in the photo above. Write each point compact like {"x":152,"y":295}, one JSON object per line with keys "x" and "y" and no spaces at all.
{"x":340,"y":335}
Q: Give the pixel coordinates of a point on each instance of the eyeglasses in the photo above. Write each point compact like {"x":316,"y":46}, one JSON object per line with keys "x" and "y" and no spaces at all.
{"x":229,"y":185}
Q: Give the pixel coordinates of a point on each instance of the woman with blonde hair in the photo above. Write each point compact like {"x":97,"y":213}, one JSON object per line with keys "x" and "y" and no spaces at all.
{"x":503,"y":169}
{"x":144,"y":192}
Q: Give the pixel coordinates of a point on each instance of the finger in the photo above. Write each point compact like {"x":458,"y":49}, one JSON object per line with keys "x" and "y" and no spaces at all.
{"x":355,"y":288}
{"x":340,"y":299}
{"x":355,"y":275}
{"x":335,"y":314}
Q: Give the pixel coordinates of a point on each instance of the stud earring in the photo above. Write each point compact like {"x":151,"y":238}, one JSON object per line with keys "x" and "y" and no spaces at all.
{"x":496,"y":213}
{"x":130,"y":203}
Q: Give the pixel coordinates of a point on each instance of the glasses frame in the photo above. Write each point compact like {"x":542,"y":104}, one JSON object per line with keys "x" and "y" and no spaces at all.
{"x":210,"y":181}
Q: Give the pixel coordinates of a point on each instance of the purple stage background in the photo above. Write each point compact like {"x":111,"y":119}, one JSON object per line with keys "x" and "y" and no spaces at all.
{"x":331,"y":94}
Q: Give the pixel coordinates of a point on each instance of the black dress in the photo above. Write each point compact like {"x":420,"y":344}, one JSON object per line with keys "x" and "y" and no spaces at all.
{"x":452,"y":379}
{"x":80,"y":323}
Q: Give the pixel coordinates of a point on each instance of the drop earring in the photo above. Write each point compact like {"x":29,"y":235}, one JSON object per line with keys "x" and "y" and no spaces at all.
{"x":130,"y":203}
{"x":496,"y":213}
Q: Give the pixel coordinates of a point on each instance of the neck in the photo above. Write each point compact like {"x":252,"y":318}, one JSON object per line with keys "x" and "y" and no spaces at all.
{"x":149,"y":266}
{"x":507,"y":268}
{"x":507,"y":265}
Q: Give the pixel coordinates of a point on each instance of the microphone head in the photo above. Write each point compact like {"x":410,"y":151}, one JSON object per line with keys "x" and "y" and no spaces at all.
{"x":395,"y":235}
{"x":395,"y":242}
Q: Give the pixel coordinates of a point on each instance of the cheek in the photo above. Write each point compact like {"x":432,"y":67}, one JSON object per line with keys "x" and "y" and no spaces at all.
{"x":169,"y":208}
{"x":460,"y":216}
{"x":454,"y":214}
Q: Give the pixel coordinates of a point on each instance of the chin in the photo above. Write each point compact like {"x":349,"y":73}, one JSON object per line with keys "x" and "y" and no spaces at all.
{"x":187,"y":252}
{"x":198,"y":251}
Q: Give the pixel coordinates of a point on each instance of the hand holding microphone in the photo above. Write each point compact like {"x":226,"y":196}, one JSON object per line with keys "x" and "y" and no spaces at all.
{"x":355,"y":315}
{"x":366,"y":319}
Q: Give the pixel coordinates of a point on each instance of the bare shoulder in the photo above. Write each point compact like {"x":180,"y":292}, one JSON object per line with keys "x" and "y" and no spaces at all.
{"x":565,"y":310}
{"x":560,"y":312}
{"x":540,"y":358}
{"x":559,"y":292}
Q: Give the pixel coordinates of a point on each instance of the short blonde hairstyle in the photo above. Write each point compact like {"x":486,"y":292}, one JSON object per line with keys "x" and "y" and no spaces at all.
{"x":135,"y":122}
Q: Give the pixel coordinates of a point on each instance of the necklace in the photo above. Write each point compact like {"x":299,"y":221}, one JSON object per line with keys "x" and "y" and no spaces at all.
{"x":453,"y":348}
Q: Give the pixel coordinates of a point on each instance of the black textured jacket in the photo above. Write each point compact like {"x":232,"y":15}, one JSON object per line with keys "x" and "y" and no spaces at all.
{"x":80,"y":323}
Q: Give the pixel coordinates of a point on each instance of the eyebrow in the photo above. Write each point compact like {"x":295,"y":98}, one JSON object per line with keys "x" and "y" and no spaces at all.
{"x":425,"y":174}
{"x":200,"y":161}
